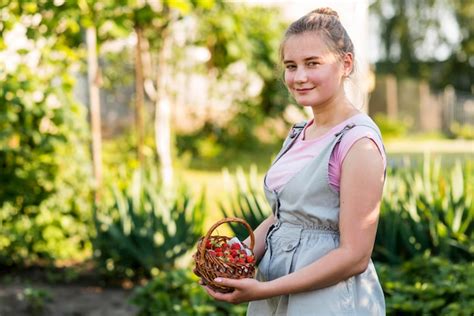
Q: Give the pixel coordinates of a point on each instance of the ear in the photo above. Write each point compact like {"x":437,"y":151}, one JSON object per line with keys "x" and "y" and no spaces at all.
{"x":348,"y":64}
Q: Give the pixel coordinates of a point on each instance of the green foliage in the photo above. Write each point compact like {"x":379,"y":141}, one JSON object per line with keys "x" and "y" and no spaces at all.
{"x":390,"y":128}
{"x":247,"y":37}
{"x":44,"y":209}
{"x":428,"y":285}
{"x":464,"y":131}
{"x":251,"y":34}
{"x":145,"y":229}
{"x":213,"y":148}
{"x":177,"y":292}
{"x":427,"y":211}
{"x":247,"y":202}
{"x":406,"y":52}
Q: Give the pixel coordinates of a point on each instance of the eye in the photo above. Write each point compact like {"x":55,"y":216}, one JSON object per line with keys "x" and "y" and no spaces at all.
{"x":290,"y":67}
{"x":313,"y":64}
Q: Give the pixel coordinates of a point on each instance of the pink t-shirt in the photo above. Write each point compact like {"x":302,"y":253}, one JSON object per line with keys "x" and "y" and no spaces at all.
{"x":303,"y":151}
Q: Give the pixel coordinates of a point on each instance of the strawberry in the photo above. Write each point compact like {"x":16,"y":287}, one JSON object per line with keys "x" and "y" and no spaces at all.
{"x":241,"y":260}
{"x":219,"y":254}
{"x":208,"y":244}
{"x":218,"y":250}
{"x":250,"y":259}
{"x":235,"y":246}
{"x":234,"y":253}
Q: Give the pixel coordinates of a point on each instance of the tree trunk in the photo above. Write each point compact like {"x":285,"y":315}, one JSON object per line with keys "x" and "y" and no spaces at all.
{"x":93,"y":77}
{"x":139,"y":97}
{"x":163,"y":113}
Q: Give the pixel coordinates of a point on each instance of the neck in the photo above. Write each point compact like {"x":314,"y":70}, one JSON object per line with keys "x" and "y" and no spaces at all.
{"x":333,"y":111}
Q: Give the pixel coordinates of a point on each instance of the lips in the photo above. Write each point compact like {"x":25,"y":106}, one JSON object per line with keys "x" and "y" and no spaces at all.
{"x":303,"y":90}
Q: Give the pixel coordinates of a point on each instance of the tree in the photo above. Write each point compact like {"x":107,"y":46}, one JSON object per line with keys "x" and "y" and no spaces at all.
{"x":416,"y":40}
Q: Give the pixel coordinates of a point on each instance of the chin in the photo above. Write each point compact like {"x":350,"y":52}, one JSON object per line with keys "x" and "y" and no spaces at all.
{"x":305,"y":102}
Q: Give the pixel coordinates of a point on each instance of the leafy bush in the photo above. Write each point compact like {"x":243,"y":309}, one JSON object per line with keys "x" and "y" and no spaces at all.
{"x":427,"y":211}
{"x":45,"y":210}
{"x":428,"y":286}
{"x":177,"y":292}
{"x":248,"y":202}
{"x":464,"y":131}
{"x":391,"y":128}
{"x":144,"y":229}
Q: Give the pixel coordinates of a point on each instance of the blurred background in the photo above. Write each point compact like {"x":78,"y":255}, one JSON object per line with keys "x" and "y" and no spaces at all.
{"x":128,"y":127}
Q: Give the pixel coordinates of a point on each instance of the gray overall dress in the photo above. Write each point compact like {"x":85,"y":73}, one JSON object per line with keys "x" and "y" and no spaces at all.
{"x":306,"y":228}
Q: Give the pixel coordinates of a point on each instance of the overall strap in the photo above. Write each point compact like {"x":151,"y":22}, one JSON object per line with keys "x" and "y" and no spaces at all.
{"x":294,"y":133}
{"x":290,"y":139}
{"x":349,"y":126}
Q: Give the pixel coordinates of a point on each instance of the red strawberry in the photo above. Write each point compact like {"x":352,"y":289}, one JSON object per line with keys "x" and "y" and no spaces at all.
{"x":241,"y":260}
{"x":208,"y":244}
{"x":234,"y":253}
{"x":219,"y":254}
{"x":218,"y":250}
{"x":250,"y":259}
{"x":235,"y":246}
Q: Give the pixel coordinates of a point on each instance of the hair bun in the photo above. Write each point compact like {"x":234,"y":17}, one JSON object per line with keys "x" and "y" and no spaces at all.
{"x":327,"y":11}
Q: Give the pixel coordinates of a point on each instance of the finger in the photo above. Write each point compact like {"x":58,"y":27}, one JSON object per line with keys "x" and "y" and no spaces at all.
{"x":234,"y":283}
{"x":218,"y":296}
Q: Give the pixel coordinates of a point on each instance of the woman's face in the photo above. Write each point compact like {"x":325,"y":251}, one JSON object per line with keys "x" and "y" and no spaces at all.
{"x":313,"y":73}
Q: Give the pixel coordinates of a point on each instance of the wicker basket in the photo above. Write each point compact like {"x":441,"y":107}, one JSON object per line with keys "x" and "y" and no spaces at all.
{"x":209,"y":266}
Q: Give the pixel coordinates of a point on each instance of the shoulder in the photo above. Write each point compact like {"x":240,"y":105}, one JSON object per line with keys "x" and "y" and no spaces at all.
{"x":364,"y":157}
{"x":364,"y":135}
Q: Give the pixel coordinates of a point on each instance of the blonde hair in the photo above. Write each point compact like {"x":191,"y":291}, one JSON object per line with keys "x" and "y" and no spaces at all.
{"x":324,"y":21}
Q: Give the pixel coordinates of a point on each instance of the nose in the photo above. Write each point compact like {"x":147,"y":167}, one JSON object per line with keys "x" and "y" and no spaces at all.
{"x":300,"y":75}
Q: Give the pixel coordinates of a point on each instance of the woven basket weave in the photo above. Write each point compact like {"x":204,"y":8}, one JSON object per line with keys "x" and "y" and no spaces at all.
{"x":208,"y":266}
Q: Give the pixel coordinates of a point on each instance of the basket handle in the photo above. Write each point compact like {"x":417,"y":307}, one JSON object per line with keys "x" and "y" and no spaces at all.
{"x":223,"y":221}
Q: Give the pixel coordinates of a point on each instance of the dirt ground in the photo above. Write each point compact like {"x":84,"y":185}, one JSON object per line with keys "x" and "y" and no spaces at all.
{"x":37,"y":293}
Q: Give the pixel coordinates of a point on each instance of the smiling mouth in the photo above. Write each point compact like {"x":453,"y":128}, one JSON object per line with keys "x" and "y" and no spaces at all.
{"x":304,"y":90}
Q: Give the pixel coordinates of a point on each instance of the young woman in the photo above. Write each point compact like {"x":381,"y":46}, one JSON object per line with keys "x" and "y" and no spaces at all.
{"x":324,"y":188}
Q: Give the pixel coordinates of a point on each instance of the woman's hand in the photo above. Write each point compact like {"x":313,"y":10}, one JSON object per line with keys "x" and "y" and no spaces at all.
{"x":245,"y":290}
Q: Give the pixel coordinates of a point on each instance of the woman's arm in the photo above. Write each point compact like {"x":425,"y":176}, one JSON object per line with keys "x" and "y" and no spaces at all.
{"x":260,"y":232}
{"x":361,"y":190}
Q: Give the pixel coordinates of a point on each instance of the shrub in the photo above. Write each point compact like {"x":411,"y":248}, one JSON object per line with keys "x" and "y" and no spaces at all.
{"x":45,"y":210}
{"x":177,"y":292}
{"x":247,"y":202}
{"x":427,"y":211}
{"x":391,"y":128}
{"x":144,"y":229}
{"x":428,"y":286}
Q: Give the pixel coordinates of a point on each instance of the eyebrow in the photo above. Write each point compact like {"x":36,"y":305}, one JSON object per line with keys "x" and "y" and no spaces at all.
{"x":306,"y":59}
